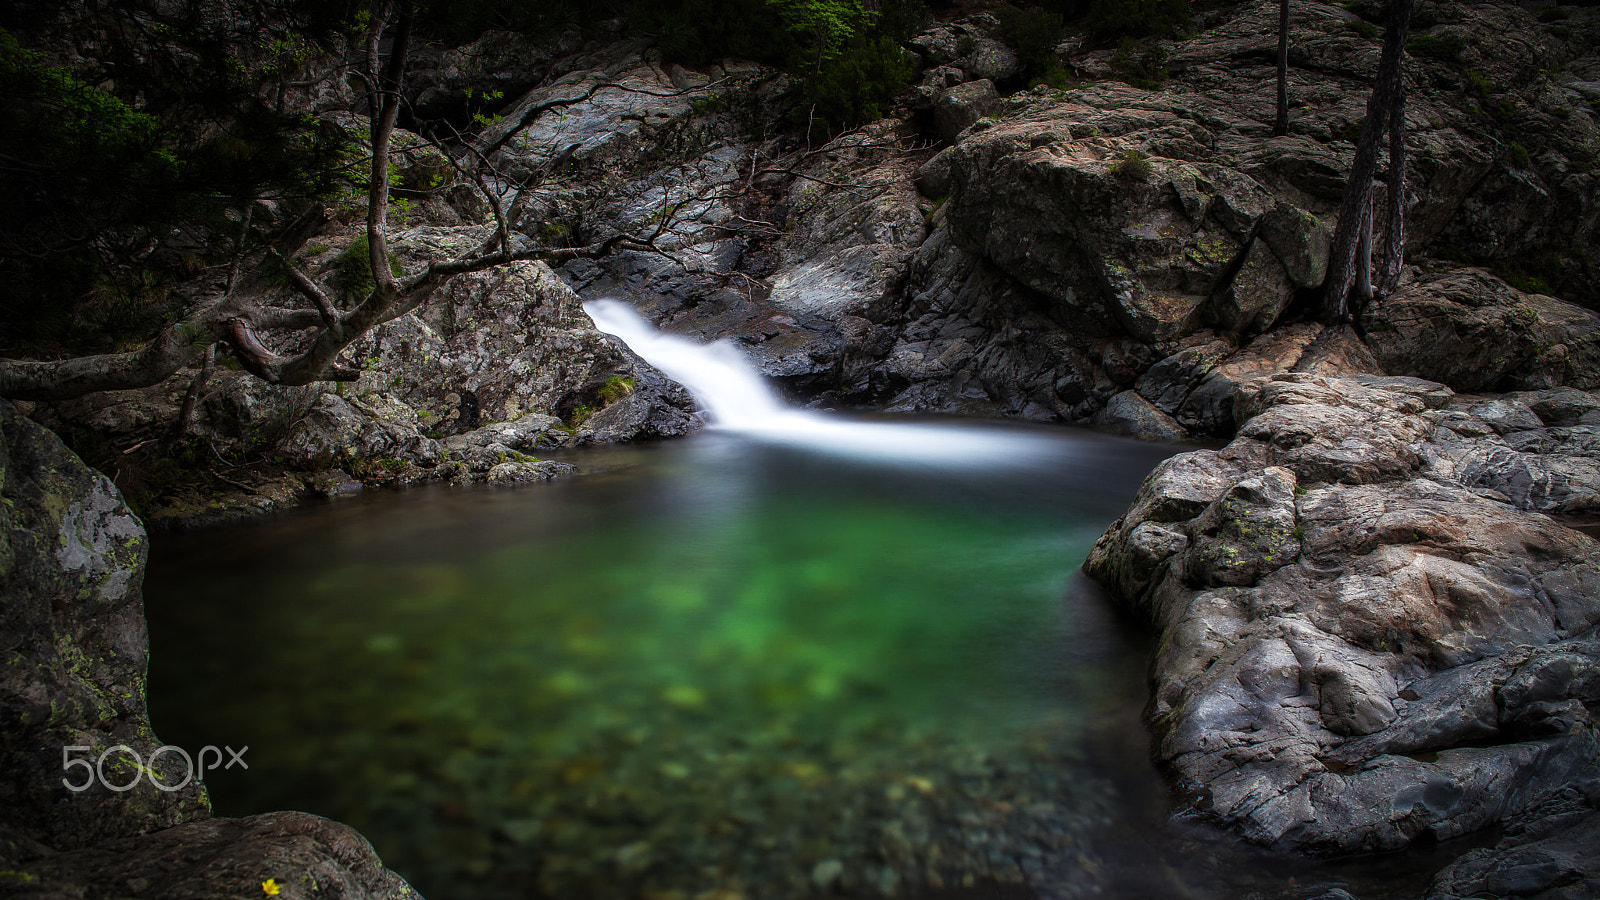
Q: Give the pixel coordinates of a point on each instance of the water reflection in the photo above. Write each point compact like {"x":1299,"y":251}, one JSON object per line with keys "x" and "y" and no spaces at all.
{"x":725,"y":668}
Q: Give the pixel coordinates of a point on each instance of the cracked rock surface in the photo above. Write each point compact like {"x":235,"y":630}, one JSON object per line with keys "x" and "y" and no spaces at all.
{"x":1369,"y":631}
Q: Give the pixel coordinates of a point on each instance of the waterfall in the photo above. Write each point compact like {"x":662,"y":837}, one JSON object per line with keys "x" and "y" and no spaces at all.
{"x":738,"y":400}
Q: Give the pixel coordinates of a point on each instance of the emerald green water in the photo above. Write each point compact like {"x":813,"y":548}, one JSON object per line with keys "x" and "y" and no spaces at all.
{"x":715,"y":669}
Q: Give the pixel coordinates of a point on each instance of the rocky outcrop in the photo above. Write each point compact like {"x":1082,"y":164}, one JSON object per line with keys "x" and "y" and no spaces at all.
{"x":1474,"y":332}
{"x":74,"y":649}
{"x":72,"y":688}
{"x":490,"y":347}
{"x":1368,"y":633}
{"x":508,"y":349}
{"x":1133,"y":227}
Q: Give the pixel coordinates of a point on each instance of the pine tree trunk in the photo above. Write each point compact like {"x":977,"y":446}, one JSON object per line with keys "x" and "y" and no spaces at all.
{"x":1363,"y":285}
{"x":1357,"y":205}
{"x":1281,"y":125}
{"x":1394,"y":242}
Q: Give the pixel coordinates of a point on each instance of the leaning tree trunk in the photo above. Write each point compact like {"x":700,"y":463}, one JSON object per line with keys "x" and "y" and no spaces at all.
{"x":1357,"y":203}
{"x":1394,"y":241}
{"x":1281,"y":125}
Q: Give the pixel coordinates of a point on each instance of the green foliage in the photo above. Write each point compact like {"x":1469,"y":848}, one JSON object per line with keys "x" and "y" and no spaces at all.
{"x":1518,"y":155}
{"x":852,"y":88}
{"x":1137,"y":17}
{"x":158,"y":131}
{"x":615,"y":388}
{"x":1141,"y":65}
{"x":821,"y":29}
{"x":354,"y":266}
{"x":1522,"y":281}
{"x":1479,"y":83}
{"x":845,"y":55}
{"x":1447,"y":48}
{"x":1364,"y":29}
{"x":1035,"y":33}
{"x":1133,"y":166}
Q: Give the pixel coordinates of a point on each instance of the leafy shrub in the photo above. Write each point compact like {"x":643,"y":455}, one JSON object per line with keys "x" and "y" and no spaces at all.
{"x":1518,"y":155}
{"x":355,"y":269}
{"x":1479,"y":83}
{"x":1364,"y":29}
{"x":1137,"y":17}
{"x":1035,"y":33}
{"x":1133,"y":166}
{"x":854,"y":87}
{"x":1447,"y":48}
{"x":1143,"y":66}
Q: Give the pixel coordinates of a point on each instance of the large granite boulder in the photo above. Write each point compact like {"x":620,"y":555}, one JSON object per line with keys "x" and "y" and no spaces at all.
{"x":1474,"y":332}
{"x":492,"y":346}
{"x":1367,"y":635}
{"x":73,"y":653}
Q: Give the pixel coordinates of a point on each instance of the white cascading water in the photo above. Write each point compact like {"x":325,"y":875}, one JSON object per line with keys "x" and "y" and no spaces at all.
{"x":739,"y":400}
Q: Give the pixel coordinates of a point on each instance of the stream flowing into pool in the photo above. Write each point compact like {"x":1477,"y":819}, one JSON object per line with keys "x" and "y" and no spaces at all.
{"x":825,"y":658}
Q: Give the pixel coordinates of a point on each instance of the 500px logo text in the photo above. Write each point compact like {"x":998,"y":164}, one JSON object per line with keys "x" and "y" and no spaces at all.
{"x":141,"y":768}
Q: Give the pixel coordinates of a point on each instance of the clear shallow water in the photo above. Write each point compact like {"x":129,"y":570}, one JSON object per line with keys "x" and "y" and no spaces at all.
{"x":719,"y":668}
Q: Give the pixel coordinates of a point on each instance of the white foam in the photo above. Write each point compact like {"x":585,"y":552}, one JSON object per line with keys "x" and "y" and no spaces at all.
{"x":738,"y":400}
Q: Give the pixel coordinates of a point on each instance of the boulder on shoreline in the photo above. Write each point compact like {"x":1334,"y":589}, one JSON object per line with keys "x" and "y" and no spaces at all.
{"x":1369,"y":633}
{"x":73,"y":654}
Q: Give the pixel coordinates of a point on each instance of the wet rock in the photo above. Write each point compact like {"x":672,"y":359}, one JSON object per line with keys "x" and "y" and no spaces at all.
{"x":1209,"y":407}
{"x":335,"y":431}
{"x":639,"y":103}
{"x":990,"y":60}
{"x":1246,"y":533}
{"x":1167,"y":383}
{"x":1300,"y":242}
{"x":492,"y":347}
{"x":1547,"y":852}
{"x":845,"y":249}
{"x":1562,"y":407}
{"x":933,"y":177}
{"x":1130,"y":414}
{"x":1257,"y":295}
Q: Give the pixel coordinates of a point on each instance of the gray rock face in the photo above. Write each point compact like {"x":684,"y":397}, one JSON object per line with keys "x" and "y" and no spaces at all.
{"x":960,"y":106}
{"x":310,"y":857}
{"x":1130,"y":414}
{"x":1359,"y":646}
{"x":492,"y":346}
{"x":1474,"y":332}
{"x":74,"y":651}
{"x":844,"y":250}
